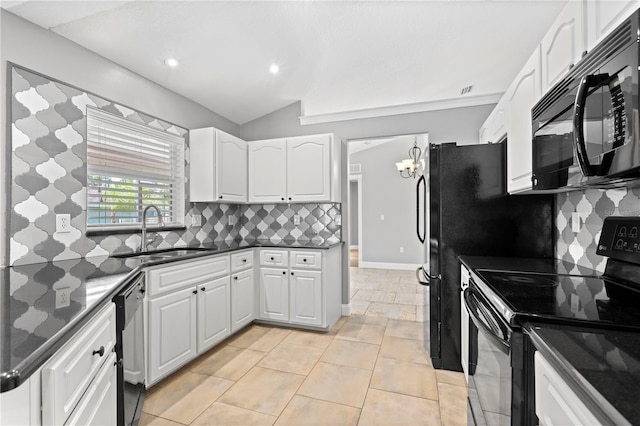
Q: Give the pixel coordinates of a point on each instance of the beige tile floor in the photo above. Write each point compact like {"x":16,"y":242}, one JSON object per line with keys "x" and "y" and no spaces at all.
{"x":386,"y":293}
{"x":368,"y":370}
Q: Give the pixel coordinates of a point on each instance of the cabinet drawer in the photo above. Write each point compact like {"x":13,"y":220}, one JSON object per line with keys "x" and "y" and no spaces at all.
{"x":98,"y":406}
{"x":66,"y":377}
{"x":274,"y":258}
{"x":164,"y":279}
{"x":306,"y":259}
{"x":240,"y":261}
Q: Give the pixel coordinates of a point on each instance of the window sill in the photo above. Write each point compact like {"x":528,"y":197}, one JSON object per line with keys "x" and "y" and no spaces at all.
{"x":132,"y":230}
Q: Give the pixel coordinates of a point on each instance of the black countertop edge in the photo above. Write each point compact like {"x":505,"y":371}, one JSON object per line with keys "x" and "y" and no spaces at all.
{"x":601,"y":408}
{"x":12,"y":379}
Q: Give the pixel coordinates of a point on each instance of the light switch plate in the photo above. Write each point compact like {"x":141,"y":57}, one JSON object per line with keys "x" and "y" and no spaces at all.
{"x":196,"y":220}
{"x":575,"y":222}
{"x":296,"y":219}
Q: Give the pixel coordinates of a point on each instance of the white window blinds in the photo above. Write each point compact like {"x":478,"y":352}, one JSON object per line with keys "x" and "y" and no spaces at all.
{"x":130,"y":166}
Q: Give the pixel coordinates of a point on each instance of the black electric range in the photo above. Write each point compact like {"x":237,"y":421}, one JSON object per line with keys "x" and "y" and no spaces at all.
{"x":503,"y":295}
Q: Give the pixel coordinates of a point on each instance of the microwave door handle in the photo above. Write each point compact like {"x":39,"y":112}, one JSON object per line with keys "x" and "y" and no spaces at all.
{"x":469,"y":304}
{"x":579,"y":144}
{"x":421,"y":182}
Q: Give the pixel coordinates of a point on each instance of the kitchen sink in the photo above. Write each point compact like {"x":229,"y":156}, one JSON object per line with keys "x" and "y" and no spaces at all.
{"x":157,"y":255}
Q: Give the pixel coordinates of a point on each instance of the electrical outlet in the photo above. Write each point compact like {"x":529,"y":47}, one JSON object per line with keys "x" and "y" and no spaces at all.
{"x":382,"y":217}
{"x":196,"y":220}
{"x":575,"y":222}
{"x":232,"y":220}
{"x":296,"y":219}
{"x":401,"y":249}
{"x":63,"y":223}
{"x":63,"y":297}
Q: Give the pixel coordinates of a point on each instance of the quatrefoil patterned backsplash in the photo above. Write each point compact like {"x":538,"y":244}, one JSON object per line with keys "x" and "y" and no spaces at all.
{"x":593,"y":205}
{"x":48,"y":171}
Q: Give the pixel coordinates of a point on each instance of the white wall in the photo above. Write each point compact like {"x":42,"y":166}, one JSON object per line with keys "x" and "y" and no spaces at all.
{"x":45,"y":52}
{"x":385,"y":193}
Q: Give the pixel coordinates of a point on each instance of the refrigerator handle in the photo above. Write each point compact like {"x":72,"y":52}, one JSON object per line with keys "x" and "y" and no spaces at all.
{"x":420,"y":274}
{"x":421,"y":182}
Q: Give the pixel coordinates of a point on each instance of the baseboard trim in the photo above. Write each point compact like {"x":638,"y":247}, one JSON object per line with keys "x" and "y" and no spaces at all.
{"x":346,"y":309}
{"x":382,"y":265}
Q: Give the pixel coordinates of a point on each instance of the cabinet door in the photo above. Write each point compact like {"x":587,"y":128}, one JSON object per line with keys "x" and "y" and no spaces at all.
{"x":494,"y":128}
{"x":523,"y":93}
{"x":309,"y":168}
{"x":603,"y":16}
{"x":214,"y":302}
{"x":562,"y":45}
{"x":556,"y":403}
{"x":267,"y":171}
{"x":274,"y":294}
{"x":242,"y":299}
{"x":202,"y":185}
{"x":306,"y":297}
{"x":172,"y":332}
{"x":231,"y":168}
{"x":98,"y":405}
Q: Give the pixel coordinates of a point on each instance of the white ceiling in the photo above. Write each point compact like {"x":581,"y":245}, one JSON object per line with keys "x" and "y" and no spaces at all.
{"x":334,"y":56}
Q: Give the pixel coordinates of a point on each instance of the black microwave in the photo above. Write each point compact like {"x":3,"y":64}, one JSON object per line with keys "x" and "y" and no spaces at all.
{"x":585,"y":129}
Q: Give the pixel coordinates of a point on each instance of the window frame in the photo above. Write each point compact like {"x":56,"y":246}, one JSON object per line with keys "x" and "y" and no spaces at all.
{"x":112,"y":171}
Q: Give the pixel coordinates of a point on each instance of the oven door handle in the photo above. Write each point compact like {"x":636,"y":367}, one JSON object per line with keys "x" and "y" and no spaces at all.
{"x":579,"y":144}
{"x":491,"y":324}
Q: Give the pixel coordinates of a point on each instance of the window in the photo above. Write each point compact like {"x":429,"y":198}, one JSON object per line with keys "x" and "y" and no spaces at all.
{"x":130,"y":166}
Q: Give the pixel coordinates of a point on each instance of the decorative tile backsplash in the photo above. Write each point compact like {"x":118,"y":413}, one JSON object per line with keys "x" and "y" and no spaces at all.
{"x":593,"y":205}
{"x":48,"y":170}
{"x":291,"y":223}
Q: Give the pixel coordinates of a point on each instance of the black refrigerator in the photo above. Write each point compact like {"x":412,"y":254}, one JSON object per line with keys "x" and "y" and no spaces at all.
{"x":463,"y":209}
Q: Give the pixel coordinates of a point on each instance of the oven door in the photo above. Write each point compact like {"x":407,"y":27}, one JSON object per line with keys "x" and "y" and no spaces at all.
{"x":490,"y":381}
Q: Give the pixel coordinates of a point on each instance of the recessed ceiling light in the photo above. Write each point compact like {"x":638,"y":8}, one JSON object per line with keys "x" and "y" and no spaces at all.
{"x":274,"y":69}
{"x":171,"y":62}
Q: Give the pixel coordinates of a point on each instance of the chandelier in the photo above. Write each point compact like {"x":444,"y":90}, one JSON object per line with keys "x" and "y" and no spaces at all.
{"x":409,"y":168}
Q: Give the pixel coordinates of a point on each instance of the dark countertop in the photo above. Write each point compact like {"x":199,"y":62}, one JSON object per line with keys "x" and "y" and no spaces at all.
{"x":44,"y":304}
{"x":601,"y":366}
{"x":525,"y":264}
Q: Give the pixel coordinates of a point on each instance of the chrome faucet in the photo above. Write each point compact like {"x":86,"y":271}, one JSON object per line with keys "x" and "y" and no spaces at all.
{"x":144,"y":243}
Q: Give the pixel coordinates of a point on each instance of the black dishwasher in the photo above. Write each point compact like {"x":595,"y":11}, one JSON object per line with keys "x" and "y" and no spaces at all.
{"x":130,"y":351}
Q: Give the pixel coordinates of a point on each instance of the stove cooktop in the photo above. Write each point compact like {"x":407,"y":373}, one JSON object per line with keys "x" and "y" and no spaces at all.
{"x":522,"y":297}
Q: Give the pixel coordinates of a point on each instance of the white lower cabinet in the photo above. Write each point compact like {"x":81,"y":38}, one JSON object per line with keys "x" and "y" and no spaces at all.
{"x":306,"y":297}
{"x":188,"y":313}
{"x":98,"y":405}
{"x":556,"y":403}
{"x":172,"y":332}
{"x":243,"y":291}
{"x":214,"y":321}
{"x":78,"y":382}
{"x":274,"y":294}
{"x":306,"y":292}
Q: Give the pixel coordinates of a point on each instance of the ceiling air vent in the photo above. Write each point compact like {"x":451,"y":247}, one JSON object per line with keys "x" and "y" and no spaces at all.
{"x":466,"y":90}
{"x":355,"y":169}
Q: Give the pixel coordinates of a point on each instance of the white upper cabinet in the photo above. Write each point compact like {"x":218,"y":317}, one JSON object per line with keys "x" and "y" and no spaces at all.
{"x":522,"y":94}
{"x":603,"y":16}
{"x":309,"y":168}
{"x":563,"y":44}
{"x":268,"y":171}
{"x":294,"y":170}
{"x":495,"y":126}
{"x":218,"y":166}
